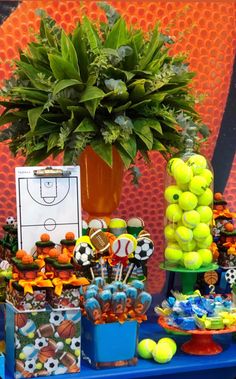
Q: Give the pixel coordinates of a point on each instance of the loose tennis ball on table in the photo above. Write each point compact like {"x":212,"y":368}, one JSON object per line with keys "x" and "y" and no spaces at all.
{"x":190,"y":219}
{"x":205,"y":243}
{"x":169,"y":232}
{"x":183,"y":234}
{"x":197,"y":163}
{"x":198,"y":185}
{"x":162,"y":353}
{"x":170,"y":342}
{"x":183,"y":174}
{"x":205,"y":213}
{"x":188,"y":201}
{"x":208,"y":175}
{"x":192,"y":260}
{"x":172,"y":194}
{"x":188,"y":246}
{"x":173,"y":253}
{"x":201,"y":231}
{"x":174,"y":212}
{"x":172,"y":164}
{"x":206,"y":198}
{"x":206,"y":256}
{"x":145,"y":348}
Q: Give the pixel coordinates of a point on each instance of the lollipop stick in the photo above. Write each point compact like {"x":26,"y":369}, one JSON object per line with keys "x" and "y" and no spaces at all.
{"x":117,"y":272}
{"x":101,"y":264}
{"x":92,"y":273}
{"x":121,"y":269}
{"x":129,"y":272}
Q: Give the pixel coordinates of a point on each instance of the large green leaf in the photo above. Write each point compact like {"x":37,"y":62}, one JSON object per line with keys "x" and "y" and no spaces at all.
{"x":118,"y":35}
{"x":91,"y":35}
{"x":142,"y":129}
{"x":62,"y":69}
{"x":65,"y":83}
{"x":152,"y":47}
{"x":78,"y":40}
{"x":91,"y":93}
{"x":157,"y":145}
{"x":68,"y":51}
{"x":124,"y":156}
{"x":129,"y":146}
{"x":33,"y":116}
{"x":86,"y":125}
{"x":52,"y":141}
{"x":32,"y":74}
{"x":104,"y":150}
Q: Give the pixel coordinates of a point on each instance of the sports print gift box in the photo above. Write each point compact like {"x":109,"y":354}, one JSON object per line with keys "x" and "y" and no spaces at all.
{"x":41,"y":343}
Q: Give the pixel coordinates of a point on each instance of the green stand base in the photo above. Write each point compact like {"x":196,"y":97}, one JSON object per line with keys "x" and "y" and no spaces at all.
{"x":188,"y":277}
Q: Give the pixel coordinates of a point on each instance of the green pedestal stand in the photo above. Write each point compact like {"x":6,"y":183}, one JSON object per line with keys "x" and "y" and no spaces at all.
{"x":188,"y":277}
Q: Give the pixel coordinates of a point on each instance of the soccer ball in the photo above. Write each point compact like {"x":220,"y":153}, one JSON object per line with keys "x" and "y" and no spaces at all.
{"x":230,"y":276}
{"x":144,"y":249}
{"x":83,"y":253}
{"x":10,"y":220}
{"x":40,"y":342}
{"x":56,"y":318}
{"x":30,"y":365}
{"x":51,"y":365}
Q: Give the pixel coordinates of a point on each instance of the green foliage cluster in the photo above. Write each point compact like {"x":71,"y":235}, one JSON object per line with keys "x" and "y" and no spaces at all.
{"x":103,"y":86}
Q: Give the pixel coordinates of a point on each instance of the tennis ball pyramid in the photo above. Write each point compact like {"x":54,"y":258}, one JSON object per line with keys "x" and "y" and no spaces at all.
{"x":188,"y":213}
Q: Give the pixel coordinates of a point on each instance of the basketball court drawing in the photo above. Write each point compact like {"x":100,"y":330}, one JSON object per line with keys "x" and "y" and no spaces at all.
{"x":47,"y":205}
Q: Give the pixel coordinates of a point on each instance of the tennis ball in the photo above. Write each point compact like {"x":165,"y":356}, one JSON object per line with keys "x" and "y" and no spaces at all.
{"x":206,"y":198}
{"x":188,"y":201}
{"x":208,"y":175}
{"x":197,"y":162}
{"x":117,"y":226}
{"x":206,"y":256}
{"x":173,"y":253}
{"x":145,"y":348}
{"x":183,"y":173}
{"x":169,"y":232}
{"x":174,"y":212}
{"x":190,"y":219}
{"x":198,"y":185}
{"x":182,"y":187}
{"x":201,"y":231}
{"x":162,"y":353}
{"x":205,"y":213}
{"x":172,"y":194}
{"x":204,"y":244}
{"x":183,"y":234}
{"x":117,"y":223}
{"x":170,"y":342}
{"x":188,"y":246}
{"x":172,"y":164}
{"x":192,"y":260}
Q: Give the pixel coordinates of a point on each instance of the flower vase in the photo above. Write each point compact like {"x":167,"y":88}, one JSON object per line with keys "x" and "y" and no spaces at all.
{"x":101,"y":185}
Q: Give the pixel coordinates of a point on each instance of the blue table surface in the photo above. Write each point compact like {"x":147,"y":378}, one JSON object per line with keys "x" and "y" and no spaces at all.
{"x":182,"y":366}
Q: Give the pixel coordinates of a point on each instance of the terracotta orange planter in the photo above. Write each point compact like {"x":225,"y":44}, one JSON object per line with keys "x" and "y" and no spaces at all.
{"x":101,"y":185}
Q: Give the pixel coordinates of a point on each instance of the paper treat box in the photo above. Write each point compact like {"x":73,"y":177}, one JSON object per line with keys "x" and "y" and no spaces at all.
{"x":26,"y":301}
{"x":41,"y":343}
{"x":109,"y":345}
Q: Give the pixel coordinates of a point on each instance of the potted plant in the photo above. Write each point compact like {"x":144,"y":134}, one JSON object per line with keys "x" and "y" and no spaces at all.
{"x":105,"y":92}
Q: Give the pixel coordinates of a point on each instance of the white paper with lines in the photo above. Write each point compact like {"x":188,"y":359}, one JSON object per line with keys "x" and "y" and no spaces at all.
{"x":47,"y":204}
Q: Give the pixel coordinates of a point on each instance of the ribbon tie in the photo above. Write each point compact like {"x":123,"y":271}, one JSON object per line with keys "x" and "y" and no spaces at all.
{"x":73,"y":281}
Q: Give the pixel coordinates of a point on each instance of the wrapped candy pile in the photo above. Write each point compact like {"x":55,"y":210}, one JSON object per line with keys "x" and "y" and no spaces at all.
{"x":190,"y":312}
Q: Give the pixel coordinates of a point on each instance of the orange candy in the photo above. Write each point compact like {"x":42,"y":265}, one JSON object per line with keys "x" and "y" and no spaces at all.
{"x":70,"y":236}
{"x":63,"y":258}
{"x":218,"y":196}
{"x":45,"y":237}
{"x":229,"y":227}
{"x":53,"y":253}
{"x":27,"y":259}
{"x":20,"y":254}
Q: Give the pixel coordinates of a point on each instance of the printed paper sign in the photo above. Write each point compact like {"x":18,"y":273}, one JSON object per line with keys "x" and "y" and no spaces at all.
{"x":48,"y":201}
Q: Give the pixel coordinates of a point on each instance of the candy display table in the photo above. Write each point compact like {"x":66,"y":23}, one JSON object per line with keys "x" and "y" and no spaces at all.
{"x":201,"y":342}
{"x":182,"y":366}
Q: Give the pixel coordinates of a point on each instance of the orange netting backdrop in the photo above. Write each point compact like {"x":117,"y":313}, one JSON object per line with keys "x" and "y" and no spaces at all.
{"x":203,"y":29}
